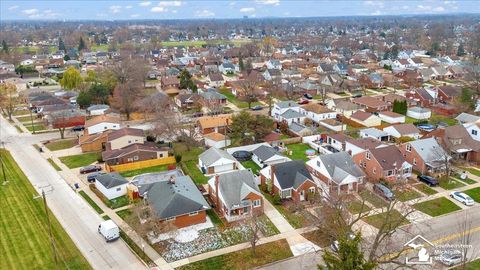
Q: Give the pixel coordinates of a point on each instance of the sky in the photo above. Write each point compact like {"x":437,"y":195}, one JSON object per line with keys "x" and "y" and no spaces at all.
{"x":198,"y":9}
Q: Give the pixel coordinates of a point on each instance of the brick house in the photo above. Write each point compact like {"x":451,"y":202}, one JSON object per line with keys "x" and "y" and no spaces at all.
{"x":133,"y":153}
{"x":426,"y":155}
{"x":210,"y":124}
{"x":423,"y":97}
{"x":290,"y":180}
{"x":337,"y":173}
{"x":458,"y":143}
{"x":385,"y":163}
{"x":447,"y":93}
{"x":371,"y":104}
{"x":93,"y":143}
{"x":176,"y":200}
{"x":235,"y":195}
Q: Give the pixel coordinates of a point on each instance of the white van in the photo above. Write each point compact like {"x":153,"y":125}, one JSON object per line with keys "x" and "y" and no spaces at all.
{"x":109,"y":230}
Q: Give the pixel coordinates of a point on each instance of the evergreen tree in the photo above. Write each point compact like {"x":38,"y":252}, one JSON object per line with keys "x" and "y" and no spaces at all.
{"x":241,"y":64}
{"x":66,"y":57}
{"x":461,"y":50}
{"x":400,"y":107}
{"x":349,"y":256}
{"x":4,"y":46}
{"x":186,"y":81}
{"x":81,"y":44}
{"x":61,"y":45}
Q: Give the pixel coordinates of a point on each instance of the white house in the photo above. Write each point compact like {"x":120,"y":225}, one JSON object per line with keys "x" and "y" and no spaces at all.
{"x":215,"y":160}
{"x":403,"y":130}
{"x":291,"y":116}
{"x":265,"y":155}
{"x":98,"y":109}
{"x":374,"y":133}
{"x":317,"y":112}
{"x":217,"y":140}
{"x":391,"y":117}
{"x":111,"y":185}
{"x":274,"y":64}
{"x":101,"y":123}
{"x":473,"y":130}
{"x":419,"y":113}
{"x":281,"y":107}
{"x":355,"y":146}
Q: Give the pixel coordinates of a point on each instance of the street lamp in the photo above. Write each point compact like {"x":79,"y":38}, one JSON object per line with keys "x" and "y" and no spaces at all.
{"x":52,"y":241}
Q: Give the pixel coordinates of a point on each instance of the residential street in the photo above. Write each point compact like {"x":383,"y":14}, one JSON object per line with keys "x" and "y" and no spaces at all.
{"x":77,"y":218}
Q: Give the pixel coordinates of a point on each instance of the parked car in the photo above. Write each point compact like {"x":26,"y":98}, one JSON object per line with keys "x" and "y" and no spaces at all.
{"x":90,"y":168}
{"x":78,"y":128}
{"x":451,"y":259}
{"x":257,"y":108}
{"x":303,"y":101}
{"x":431,"y":181}
{"x":109,"y":230}
{"x":307,"y":96}
{"x":242,"y":155}
{"x":91,"y":177}
{"x":462,"y":197}
{"x":357,"y":95}
{"x":383,"y":191}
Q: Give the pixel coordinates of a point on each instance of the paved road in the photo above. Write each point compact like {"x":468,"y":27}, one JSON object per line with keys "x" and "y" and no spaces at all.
{"x":76,"y":216}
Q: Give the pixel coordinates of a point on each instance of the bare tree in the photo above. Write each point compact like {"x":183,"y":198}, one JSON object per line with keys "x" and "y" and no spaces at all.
{"x":465,"y":226}
{"x":61,"y":120}
{"x":145,"y":220}
{"x":252,"y":224}
{"x":8,"y":98}
{"x":249,"y":85}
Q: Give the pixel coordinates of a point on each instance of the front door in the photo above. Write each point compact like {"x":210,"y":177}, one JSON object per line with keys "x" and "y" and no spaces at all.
{"x":302,"y":195}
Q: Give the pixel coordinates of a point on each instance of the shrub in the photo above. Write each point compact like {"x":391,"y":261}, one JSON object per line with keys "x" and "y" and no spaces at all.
{"x":178,"y":158}
{"x":277,"y":200}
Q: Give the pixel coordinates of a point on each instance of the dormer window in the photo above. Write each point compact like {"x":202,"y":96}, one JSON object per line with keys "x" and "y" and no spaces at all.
{"x":474,"y":132}
{"x":409,"y":148}
{"x":367,"y":155}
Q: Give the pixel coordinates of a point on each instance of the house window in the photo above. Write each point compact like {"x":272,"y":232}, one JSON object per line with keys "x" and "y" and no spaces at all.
{"x":414,"y":161}
{"x":256,"y":203}
{"x":367,"y":155}
{"x":287,"y":193}
{"x":374,"y":170}
{"x":193,"y":213}
{"x":135,"y":157}
{"x":409,"y":148}
{"x":104,"y":127}
{"x":129,"y":159}
{"x":129,"y":141}
{"x":161,"y":155}
{"x":474,"y":132}
{"x":389,"y":173}
{"x":118,"y":189}
{"x":311,"y":190}
{"x":245,"y":210}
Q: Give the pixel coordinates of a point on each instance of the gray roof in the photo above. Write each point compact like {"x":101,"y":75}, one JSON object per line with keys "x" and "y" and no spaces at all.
{"x":374,"y":132}
{"x":179,"y":198}
{"x":213,"y":154}
{"x":235,"y":186}
{"x":467,"y":118}
{"x":287,"y":104}
{"x":111,"y":180}
{"x":419,"y":109}
{"x":98,"y":107}
{"x":340,"y":165}
{"x":265,"y":152}
{"x":291,"y":174}
{"x":296,"y":127}
{"x":428,"y":149}
{"x":289,"y":114}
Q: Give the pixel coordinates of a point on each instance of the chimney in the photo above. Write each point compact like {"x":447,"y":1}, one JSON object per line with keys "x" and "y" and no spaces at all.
{"x":272,"y":176}
{"x":171,"y":180}
{"x":217,"y":196}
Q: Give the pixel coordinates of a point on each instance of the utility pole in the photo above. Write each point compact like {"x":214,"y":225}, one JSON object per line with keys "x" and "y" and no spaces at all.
{"x":3,"y":166}
{"x":31,"y":120}
{"x":50,"y":230}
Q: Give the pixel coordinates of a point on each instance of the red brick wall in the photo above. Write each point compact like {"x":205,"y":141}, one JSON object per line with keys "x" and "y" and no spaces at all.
{"x":370,"y":165}
{"x":305,"y":186}
{"x":409,"y":156}
{"x":186,"y":220}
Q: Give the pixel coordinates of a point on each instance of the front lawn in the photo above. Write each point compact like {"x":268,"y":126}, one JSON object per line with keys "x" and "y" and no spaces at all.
{"x":298,"y":151}
{"x":118,"y":202}
{"x":158,"y":168}
{"x":54,"y":165}
{"x":474,"y":193}
{"x":437,"y":207}
{"x":373,"y":199}
{"x":233,"y":99}
{"x":245,"y":259}
{"x":24,"y":238}
{"x":406,"y":195}
{"x":318,"y":237}
{"x":296,"y":219}
{"x":192,"y":154}
{"x":37,"y":126}
{"x":123,"y":214}
{"x":91,"y":202}
{"x":28,"y":119}
{"x":450,"y":184}
{"x":391,"y":217}
{"x":81,"y":160}
{"x":356,"y":207}
{"x":425,"y":189}
{"x":473,"y":265}
{"x":61,"y":144}
{"x":20,"y":112}
{"x":190,"y":168}
{"x":472,"y":171}
{"x":251,"y":165}
{"x":436,"y":118}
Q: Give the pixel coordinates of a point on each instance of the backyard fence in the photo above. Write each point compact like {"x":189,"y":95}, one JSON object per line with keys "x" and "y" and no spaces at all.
{"x":140,"y":164}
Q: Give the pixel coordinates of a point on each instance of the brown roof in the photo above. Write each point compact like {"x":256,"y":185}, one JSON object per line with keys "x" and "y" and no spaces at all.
{"x":361,"y":115}
{"x":392,"y":97}
{"x":339,"y":137}
{"x":117,"y":153}
{"x":215,"y":136}
{"x":405,"y":129}
{"x":93,"y":137}
{"x":214,"y":121}
{"x":391,"y":114}
{"x":389,"y":157}
{"x":101,"y":119}
{"x":125,"y":132}
{"x":172,"y":80}
{"x":365,"y":143}
{"x":463,"y":140}
{"x":316,"y":108}
{"x":369,"y":102}
{"x":331,"y":122}
{"x":216,"y":77}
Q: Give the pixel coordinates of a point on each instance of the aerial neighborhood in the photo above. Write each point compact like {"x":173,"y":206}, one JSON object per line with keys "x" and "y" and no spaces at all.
{"x":283,"y":138}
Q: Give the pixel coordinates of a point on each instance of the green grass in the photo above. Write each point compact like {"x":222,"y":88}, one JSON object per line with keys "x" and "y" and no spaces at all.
{"x":436,"y":118}
{"x":386,"y":218}
{"x":106,"y":217}
{"x":37,"y":126}
{"x":298,"y":150}
{"x":18,"y":129}
{"x":297,"y":221}
{"x":267,"y":227}
{"x":449,"y":185}
{"x":245,"y":259}
{"x":373,"y":199}
{"x":406,"y":195}
{"x":123,"y":214}
{"x":214,"y":217}
{"x":28,"y":119}
{"x":81,"y":160}
{"x":135,"y":248}
{"x":356,"y":207}
{"x":468,"y":181}
{"x":100,"y":47}
{"x":472,"y":171}
{"x":473,"y":265}
{"x":437,"y":207}
{"x":54,"y":165}
{"x":91,"y":202}
{"x":233,"y":99}
{"x":21,"y":112}
{"x":251,"y":165}
{"x":192,"y":154}
{"x":158,"y":168}
{"x":24,"y":238}
{"x":474,"y":193}
{"x":410,"y":120}
{"x":190,"y":168}
{"x":61,"y":144}
{"x":118,"y":202}
{"x":425,"y":189}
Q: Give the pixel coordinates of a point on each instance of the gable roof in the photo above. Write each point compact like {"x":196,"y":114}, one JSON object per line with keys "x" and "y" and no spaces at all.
{"x":405,"y":129}
{"x":213,"y":154}
{"x":110,"y":180}
{"x":467,"y":118}
{"x":115,"y":134}
{"x":361,"y":115}
{"x":291,"y":174}
{"x":136,"y":147}
{"x":389,"y":157}
{"x":365,"y":143}
{"x":428,"y":149}
{"x":289,"y":114}
{"x":340,"y":165}
{"x":316,"y":108}
{"x":287,"y":104}
{"x":463,"y":141}
{"x":264,"y":152}
{"x":235,"y":186}
{"x":175,"y":199}
{"x":100,"y":119}
{"x":370,"y":102}
{"x":214,"y":121}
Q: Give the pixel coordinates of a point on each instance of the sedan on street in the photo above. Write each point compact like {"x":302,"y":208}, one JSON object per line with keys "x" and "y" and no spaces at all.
{"x":462,"y":197}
